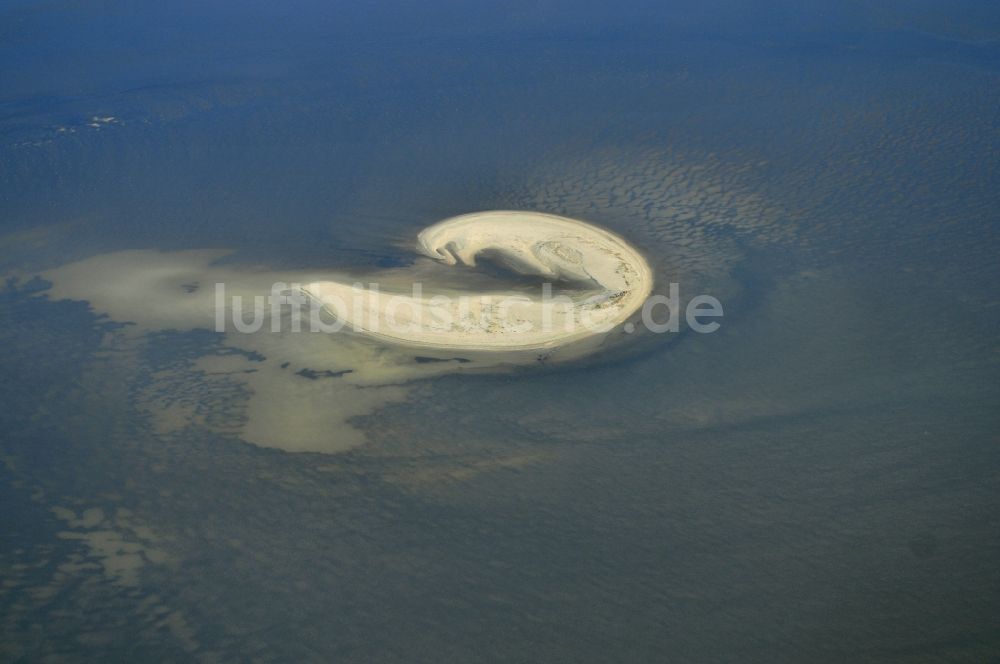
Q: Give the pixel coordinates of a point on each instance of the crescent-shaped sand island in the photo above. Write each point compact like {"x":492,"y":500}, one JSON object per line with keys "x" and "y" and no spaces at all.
{"x":434,"y":317}
{"x":594,"y":280}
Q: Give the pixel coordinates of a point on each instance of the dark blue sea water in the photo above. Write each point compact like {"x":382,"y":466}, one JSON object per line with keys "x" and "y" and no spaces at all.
{"x":817,"y":481}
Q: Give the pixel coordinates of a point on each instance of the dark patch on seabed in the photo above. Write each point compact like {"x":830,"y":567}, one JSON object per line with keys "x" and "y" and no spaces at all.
{"x":312,"y":374}
{"x":420,"y":359}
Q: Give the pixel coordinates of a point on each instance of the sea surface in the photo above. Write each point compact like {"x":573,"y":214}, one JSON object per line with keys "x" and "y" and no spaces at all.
{"x":816,"y":481}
